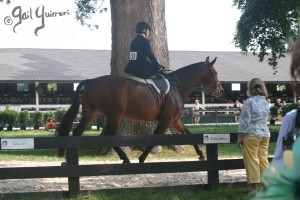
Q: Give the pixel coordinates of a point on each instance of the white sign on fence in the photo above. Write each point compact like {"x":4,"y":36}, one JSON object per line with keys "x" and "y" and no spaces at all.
{"x":216,"y":138}
{"x":20,"y":143}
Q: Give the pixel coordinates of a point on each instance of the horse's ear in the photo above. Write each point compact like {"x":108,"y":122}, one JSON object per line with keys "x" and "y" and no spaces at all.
{"x":207,"y":60}
{"x":213,"y":62}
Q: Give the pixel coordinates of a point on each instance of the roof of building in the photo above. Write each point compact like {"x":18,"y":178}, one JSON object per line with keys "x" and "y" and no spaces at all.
{"x":64,"y":65}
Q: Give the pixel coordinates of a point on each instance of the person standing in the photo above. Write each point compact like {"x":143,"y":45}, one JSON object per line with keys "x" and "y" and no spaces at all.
{"x":269,"y":102}
{"x":253,"y":132}
{"x":290,"y":122}
{"x":238,"y":107}
{"x":142,"y":62}
{"x":196,"y":111}
{"x":278,"y":103}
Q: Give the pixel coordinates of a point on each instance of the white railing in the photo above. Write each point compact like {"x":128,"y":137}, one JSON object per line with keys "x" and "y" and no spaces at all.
{"x":42,"y":107}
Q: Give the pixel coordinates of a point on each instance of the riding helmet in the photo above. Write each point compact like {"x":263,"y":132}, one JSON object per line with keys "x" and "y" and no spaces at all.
{"x":141,"y":26}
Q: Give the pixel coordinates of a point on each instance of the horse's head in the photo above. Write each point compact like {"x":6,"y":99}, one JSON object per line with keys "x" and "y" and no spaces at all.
{"x":211,"y":80}
{"x":197,"y":75}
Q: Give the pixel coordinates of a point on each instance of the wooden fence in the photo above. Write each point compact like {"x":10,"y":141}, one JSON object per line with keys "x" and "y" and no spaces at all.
{"x":73,"y":171}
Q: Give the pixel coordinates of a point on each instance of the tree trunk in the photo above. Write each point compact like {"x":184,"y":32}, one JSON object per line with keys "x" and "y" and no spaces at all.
{"x":125,"y":14}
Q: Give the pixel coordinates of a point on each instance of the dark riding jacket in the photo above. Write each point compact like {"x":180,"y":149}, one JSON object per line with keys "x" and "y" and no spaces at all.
{"x":142,"y":63}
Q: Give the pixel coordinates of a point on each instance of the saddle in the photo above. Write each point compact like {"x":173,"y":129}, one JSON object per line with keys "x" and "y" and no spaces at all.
{"x":158,"y":82}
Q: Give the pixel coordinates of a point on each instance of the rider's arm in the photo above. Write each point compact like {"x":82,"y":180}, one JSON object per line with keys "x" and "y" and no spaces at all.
{"x":151,"y":56}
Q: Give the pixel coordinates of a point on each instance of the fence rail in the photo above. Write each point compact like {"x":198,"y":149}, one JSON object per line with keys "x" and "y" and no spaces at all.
{"x":73,"y":170}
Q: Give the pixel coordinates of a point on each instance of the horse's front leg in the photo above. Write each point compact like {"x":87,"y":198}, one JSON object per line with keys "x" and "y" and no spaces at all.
{"x":178,"y":125}
{"x":198,"y":150}
{"x":160,"y":129}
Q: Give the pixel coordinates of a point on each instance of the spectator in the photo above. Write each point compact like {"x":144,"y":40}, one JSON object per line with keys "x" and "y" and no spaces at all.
{"x":238,"y":106}
{"x":196,"y":111}
{"x":289,"y":123}
{"x":254,"y":134}
{"x":283,"y":180}
{"x":283,"y":103}
{"x":278,"y":103}
{"x":269,"y":102}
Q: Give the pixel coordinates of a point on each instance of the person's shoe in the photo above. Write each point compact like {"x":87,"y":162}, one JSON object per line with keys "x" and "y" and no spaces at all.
{"x":251,"y":193}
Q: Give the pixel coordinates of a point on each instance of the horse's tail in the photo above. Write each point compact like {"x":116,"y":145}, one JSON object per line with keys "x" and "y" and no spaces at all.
{"x":67,"y":120}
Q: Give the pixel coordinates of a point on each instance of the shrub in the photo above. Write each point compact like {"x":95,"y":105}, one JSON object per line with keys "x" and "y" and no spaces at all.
{"x":48,"y":117}
{"x":273,"y":111}
{"x":24,"y":117}
{"x":2,"y":123}
{"x":10,"y":118}
{"x":288,"y":107}
{"x":37,"y":118}
{"x":59,"y":113}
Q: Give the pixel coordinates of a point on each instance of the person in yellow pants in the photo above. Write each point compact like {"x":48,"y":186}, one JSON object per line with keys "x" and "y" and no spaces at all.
{"x":254,"y":133}
{"x":255,"y":154}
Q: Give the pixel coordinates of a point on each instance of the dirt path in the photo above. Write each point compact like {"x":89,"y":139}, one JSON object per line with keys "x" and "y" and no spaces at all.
{"x":105,"y":182}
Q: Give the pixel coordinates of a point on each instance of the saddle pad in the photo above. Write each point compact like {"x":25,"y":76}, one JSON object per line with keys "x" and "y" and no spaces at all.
{"x":151,"y":82}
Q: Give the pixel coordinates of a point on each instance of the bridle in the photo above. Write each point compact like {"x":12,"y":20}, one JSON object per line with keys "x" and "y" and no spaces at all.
{"x":217,"y":82}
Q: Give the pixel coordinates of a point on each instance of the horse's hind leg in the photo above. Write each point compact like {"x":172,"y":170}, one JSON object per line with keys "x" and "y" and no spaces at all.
{"x":160,"y":129}
{"x":85,"y":121}
{"x":145,"y":153}
{"x":112,"y":128}
{"x":178,"y":125}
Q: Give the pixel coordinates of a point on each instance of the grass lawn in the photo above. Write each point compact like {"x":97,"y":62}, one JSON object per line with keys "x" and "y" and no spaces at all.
{"x":226,"y":193}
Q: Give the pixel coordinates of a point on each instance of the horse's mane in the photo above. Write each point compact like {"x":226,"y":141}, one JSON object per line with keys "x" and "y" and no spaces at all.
{"x":184,"y":69}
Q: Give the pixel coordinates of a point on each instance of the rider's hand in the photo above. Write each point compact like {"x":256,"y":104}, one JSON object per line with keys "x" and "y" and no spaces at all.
{"x":161,"y":70}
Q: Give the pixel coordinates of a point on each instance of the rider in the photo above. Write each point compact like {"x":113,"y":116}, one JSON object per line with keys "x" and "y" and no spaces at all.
{"x":142,"y":62}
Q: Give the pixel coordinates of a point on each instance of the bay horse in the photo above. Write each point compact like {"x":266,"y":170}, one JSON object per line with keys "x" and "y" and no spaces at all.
{"x":120,"y":97}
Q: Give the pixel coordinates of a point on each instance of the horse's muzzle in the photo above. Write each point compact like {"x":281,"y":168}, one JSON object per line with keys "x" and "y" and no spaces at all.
{"x":218,"y":91}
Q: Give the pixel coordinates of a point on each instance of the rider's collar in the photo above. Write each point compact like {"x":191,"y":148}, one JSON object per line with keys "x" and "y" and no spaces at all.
{"x":142,"y":34}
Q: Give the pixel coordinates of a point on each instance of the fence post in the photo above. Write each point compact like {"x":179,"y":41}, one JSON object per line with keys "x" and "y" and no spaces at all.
{"x":74,"y":184}
{"x":212,"y":176}
{"x":216,"y":116}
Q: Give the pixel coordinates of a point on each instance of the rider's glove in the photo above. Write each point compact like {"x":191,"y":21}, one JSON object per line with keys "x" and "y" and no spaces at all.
{"x":161,"y":70}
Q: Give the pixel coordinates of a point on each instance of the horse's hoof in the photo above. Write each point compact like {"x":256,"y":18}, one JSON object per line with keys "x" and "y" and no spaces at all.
{"x":126,"y":161}
{"x":63,"y":164}
{"x":202,"y":158}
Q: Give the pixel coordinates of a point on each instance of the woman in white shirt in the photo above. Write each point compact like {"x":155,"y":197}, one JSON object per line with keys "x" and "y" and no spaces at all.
{"x":196,"y":111}
{"x":254,"y":134}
